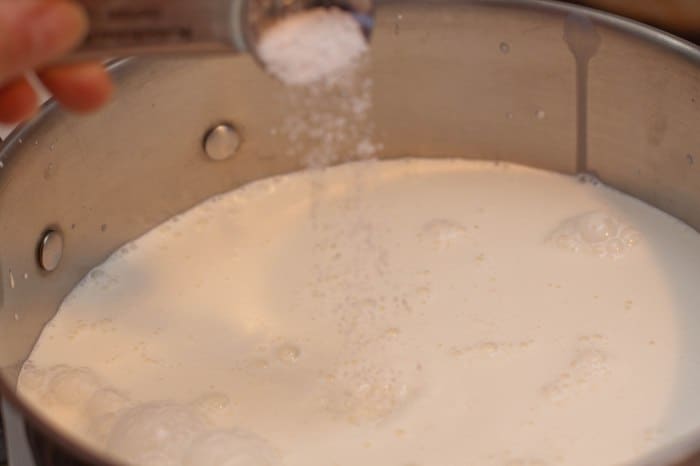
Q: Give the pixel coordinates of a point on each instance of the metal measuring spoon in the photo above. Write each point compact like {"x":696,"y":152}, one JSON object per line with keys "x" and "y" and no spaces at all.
{"x":138,"y":27}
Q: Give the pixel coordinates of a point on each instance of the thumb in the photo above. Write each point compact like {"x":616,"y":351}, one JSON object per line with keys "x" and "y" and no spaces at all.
{"x":35,"y":32}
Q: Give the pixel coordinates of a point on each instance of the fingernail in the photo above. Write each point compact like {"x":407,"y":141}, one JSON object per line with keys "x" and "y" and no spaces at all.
{"x":56,"y":27}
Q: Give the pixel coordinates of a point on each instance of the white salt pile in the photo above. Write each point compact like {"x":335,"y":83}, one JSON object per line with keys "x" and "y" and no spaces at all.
{"x":309,"y":46}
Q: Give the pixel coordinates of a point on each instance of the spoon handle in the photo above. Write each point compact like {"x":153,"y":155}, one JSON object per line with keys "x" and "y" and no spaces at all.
{"x":137,"y":27}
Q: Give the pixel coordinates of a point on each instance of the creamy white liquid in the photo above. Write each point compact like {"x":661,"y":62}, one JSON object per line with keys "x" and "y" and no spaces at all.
{"x":405,"y":313}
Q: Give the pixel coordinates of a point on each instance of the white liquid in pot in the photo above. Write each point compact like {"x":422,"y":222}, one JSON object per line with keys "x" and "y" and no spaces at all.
{"x":406,"y":313}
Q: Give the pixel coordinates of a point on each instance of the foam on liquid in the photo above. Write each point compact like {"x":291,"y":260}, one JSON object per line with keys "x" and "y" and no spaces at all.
{"x":411,"y":313}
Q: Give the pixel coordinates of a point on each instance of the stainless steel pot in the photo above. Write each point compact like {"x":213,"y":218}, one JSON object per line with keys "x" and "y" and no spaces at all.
{"x":533,"y":82}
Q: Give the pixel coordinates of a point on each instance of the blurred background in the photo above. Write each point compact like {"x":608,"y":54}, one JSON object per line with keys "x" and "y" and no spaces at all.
{"x":682,"y":17}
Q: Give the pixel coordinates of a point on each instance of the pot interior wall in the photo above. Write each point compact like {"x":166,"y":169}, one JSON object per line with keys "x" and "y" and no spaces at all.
{"x":487,"y":80}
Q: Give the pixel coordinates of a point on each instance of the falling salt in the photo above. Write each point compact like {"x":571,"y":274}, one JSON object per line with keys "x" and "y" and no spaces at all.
{"x":317,"y":53}
{"x":309,"y":46}
{"x":12,"y":280}
{"x":329,"y":121}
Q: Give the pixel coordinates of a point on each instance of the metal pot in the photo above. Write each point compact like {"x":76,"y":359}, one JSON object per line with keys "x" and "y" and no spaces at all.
{"x":533,"y":82}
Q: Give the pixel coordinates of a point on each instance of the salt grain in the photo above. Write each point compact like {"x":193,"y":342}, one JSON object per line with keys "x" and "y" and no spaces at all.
{"x":309,"y":46}
{"x":330,"y":121}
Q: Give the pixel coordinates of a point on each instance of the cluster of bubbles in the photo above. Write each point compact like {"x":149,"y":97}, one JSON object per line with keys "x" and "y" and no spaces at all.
{"x":441,"y":233}
{"x":596,"y":233}
{"x":360,"y":393}
{"x":165,"y":433}
{"x":155,"y":433}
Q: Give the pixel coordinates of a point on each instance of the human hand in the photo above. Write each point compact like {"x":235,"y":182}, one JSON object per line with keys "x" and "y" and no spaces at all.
{"x":33,"y":34}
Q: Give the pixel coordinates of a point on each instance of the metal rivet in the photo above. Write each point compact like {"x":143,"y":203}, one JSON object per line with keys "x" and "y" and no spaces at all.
{"x":50,"y":250}
{"x":222,"y":142}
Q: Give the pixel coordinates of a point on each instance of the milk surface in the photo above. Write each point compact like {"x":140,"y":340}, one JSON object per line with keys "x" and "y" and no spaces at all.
{"x":403,"y":313}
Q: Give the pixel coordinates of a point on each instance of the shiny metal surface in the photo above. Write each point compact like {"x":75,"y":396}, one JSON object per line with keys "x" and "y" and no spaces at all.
{"x":222,"y":142}
{"x":121,"y":28}
{"x":50,"y":250}
{"x":488,"y":79}
{"x":18,"y":450}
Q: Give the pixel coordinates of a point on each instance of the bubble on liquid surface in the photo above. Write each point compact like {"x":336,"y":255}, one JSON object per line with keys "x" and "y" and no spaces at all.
{"x":360,"y":394}
{"x":589,"y":363}
{"x":441,"y":233}
{"x":597,"y":233}
{"x":102,"y":412}
{"x":588,"y":178}
{"x":155,"y":433}
{"x":597,"y":227}
{"x":230,"y":448}
{"x":288,"y":353}
{"x":214,"y":407}
{"x":630,"y":236}
{"x":73,"y":386}
{"x":106,"y":401}
{"x":31,"y":378}
{"x":99,"y":427}
{"x":615,"y":247}
{"x":504,"y":47}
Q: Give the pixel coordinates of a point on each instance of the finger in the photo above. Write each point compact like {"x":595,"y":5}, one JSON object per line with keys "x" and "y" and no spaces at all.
{"x":81,"y":87}
{"x":18,"y":101}
{"x":36,"y":32}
